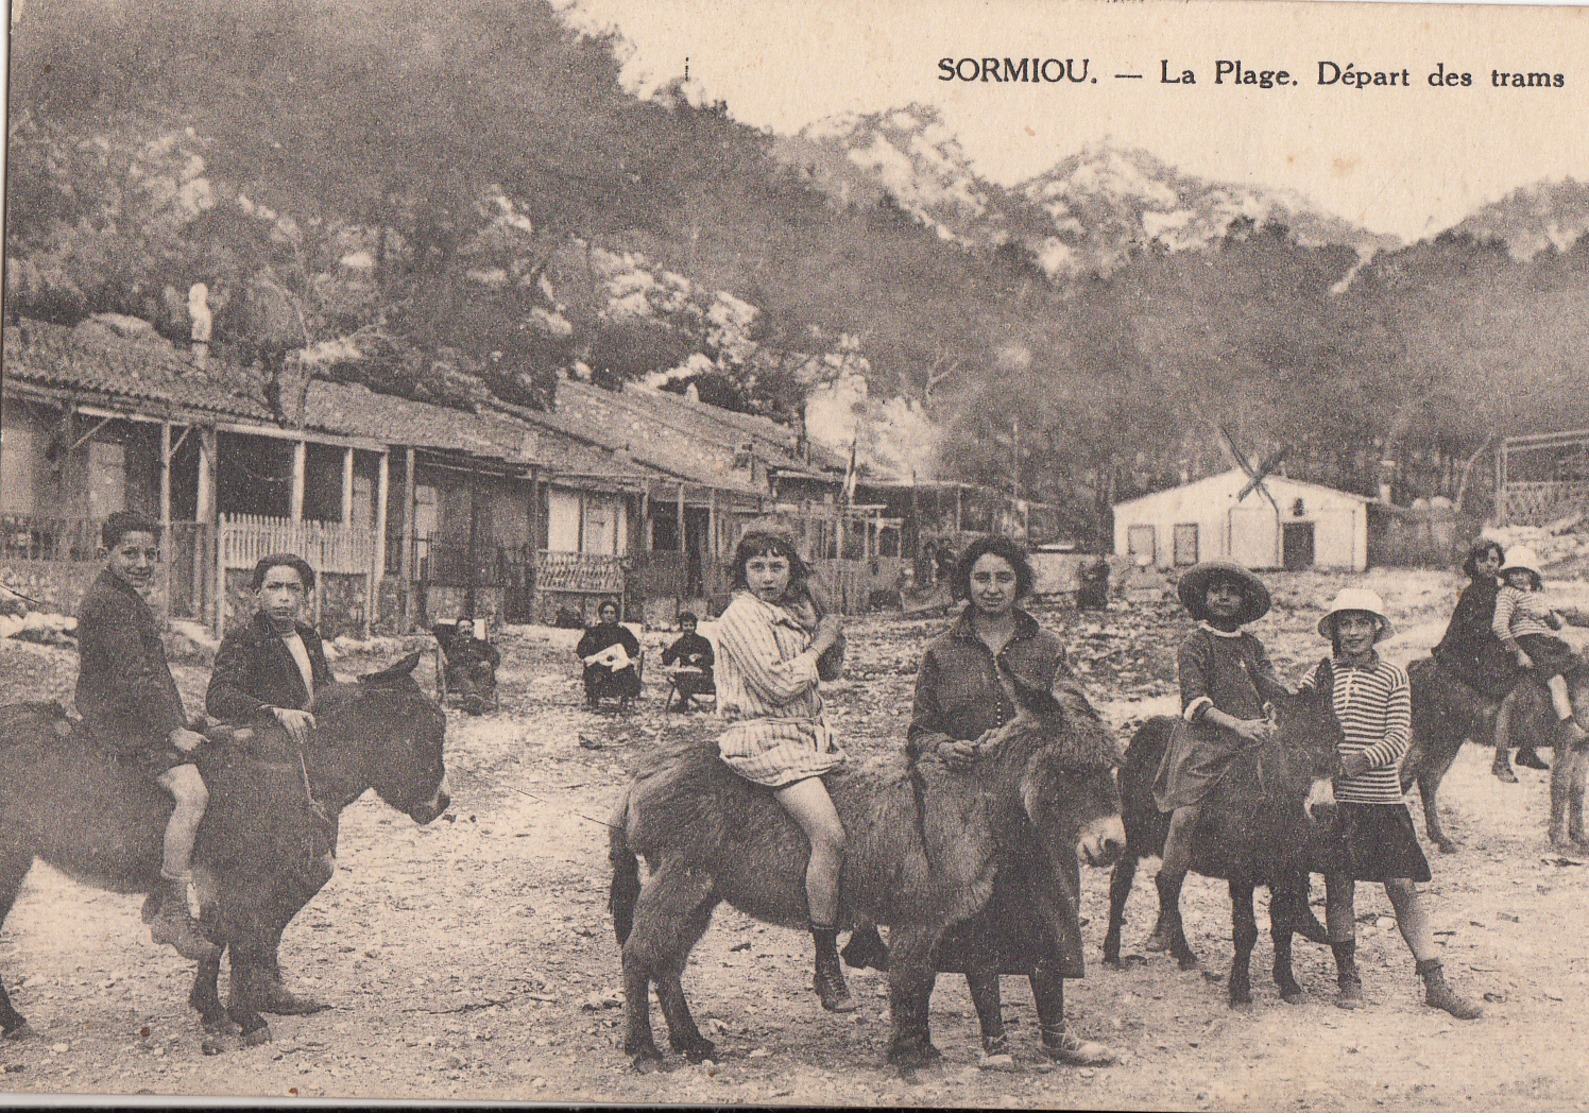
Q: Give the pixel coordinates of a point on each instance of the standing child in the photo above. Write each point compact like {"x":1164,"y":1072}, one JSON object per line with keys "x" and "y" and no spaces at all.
{"x":1526,"y":623}
{"x":1228,"y":691}
{"x":1371,"y":836}
{"x":130,"y":704}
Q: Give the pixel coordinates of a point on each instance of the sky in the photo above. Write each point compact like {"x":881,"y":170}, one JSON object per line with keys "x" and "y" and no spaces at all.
{"x":1406,"y":161}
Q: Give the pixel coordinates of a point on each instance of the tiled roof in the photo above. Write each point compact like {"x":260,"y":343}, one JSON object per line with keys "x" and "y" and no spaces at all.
{"x":97,"y":360}
{"x":685,"y":439}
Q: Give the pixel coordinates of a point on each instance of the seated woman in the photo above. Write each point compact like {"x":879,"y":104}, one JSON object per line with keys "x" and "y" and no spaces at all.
{"x":1470,"y":653}
{"x":963,"y":697}
{"x":773,"y":639}
{"x":693,"y":655}
{"x":607,"y":673}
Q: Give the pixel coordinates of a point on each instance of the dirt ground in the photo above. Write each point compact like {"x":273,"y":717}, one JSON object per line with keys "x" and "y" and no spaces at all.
{"x":473,"y":958}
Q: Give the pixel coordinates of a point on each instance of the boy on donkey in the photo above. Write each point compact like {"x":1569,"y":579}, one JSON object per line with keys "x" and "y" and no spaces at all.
{"x":130,"y":704}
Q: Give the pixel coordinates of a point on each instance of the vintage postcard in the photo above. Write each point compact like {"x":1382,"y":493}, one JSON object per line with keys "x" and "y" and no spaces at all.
{"x":693,"y":552}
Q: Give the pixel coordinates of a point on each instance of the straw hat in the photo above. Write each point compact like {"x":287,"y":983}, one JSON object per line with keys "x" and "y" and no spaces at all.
{"x":1521,"y":558}
{"x":1355,"y":600}
{"x":1193,"y":589}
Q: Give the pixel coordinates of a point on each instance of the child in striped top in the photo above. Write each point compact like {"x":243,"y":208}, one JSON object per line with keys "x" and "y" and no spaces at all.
{"x":1526,"y":624}
{"x":1371,"y":836}
{"x":772,"y":640}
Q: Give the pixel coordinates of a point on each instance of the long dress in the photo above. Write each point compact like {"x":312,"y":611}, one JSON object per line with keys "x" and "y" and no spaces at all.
{"x":602,"y":681}
{"x":1032,"y":918}
{"x":1231,"y":672}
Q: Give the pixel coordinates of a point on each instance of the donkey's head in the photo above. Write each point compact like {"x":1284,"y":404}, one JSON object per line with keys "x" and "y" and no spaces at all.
{"x":1306,"y":737}
{"x":1060,"y":758}
{"x":392,"y":732}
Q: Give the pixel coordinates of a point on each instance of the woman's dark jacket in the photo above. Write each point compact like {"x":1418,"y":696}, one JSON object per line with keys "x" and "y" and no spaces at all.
{"x":124,"y":687}
{"x":254,"y":670}
{"x":1469,"y":651}
{"x":598,"y":677}
{"x":1033,"y":917}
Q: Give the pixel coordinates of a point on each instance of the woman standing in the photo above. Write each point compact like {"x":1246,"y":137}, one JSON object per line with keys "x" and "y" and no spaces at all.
{"x":1031,"y":925}
{"x":1470,"y":653}
{"x":772,"y":637}
{"x":1372,"y":837}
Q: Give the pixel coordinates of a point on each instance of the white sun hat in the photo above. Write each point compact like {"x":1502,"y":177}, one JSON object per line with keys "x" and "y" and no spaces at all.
{"x":1356,"y":600}
{"x":1521,"y":558}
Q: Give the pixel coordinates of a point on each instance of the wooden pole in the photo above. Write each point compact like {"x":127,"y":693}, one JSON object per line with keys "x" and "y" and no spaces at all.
{"x":347,"y":487}
{"x":165,"y":506}
{"x":207,"y":512}
{"x":383,"y":484}
{"x":300,"y":458}
{"x":405,"y":558}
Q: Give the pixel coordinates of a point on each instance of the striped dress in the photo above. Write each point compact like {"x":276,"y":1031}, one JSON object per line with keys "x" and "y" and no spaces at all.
{"x":1374,"y":706}
{"x":767,"y":692}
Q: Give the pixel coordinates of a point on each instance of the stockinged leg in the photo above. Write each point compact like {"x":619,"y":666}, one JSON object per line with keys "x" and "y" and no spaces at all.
{"x":984,"y":986}
{"x":1244,"y":935}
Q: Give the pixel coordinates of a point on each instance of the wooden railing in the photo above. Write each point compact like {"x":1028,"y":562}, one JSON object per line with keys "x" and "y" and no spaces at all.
{"x":575,"y":572}
{"x":1540,"y":502}
{"x":329,"y":548}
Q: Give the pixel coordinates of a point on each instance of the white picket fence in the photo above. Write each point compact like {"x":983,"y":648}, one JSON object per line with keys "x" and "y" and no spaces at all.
{"x":328,"y":547}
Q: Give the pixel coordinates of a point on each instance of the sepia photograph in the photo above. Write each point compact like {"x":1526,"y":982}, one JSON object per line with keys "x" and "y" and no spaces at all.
{"x":960,"y":555}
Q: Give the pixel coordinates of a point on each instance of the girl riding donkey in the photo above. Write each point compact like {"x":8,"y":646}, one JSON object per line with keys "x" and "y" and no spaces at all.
{"x":1470,"y":653}
{"x":130,"y":705}
{"x":1371,"y":835}
{"x":1526,"y":624}
{"x":1229,"y":691}
{"x":776,"y":643}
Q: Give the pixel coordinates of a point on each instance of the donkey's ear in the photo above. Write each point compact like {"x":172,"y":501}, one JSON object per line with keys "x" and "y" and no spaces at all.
{"x":397,"y":672}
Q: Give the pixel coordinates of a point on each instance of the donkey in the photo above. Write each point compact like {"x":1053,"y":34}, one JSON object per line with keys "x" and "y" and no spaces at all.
{"x":1253,"y":831}
{"x":921,"y":855}
{"x":268,"y":841}
{"x":1445,"y":713}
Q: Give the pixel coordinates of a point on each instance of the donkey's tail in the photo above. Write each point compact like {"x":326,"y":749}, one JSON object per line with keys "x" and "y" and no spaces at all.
{"x":625,"y":889}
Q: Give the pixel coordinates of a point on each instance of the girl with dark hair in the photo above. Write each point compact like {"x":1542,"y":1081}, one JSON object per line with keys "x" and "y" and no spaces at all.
{"x":1030,"y":925}
{"x":1470,"y":653}
{"x":771,"y":638}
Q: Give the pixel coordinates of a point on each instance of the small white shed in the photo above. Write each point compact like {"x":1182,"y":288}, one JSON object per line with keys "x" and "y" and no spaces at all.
{"x":1313,"y":527}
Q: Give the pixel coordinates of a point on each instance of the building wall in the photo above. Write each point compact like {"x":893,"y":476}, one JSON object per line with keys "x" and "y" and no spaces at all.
{"x":1249,"y":532}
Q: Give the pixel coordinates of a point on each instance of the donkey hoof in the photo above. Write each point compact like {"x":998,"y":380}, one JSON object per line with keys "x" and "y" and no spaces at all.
{"x":1189,"y":962}
{"x":218,"y":1043}
{"x":1240,"y":998}
{"x":699,"y":1052}
{"x":1158,"y":942}
{"x":19,"y":1032}
{"x":258,"y":1037}
{"x":1447,"y":846}
{"x":915,"y":1058}
{"x":646,"y":1062}
{"x":222,"y":1025}
{"x":1293,"y":996}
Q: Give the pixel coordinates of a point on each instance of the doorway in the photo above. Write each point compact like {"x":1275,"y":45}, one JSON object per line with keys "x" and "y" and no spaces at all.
{"x":1296,"y":546}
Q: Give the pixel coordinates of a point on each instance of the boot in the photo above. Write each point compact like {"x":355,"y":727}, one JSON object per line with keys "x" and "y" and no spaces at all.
{"x":1058,"y":1041}
{"x":1528,"y":758}
{"x":1438,"y":994}
{"x":866,"y":949}
{"x":829,"y":979}
{"x":174,"y":925}
{"x":1347,"y":978}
